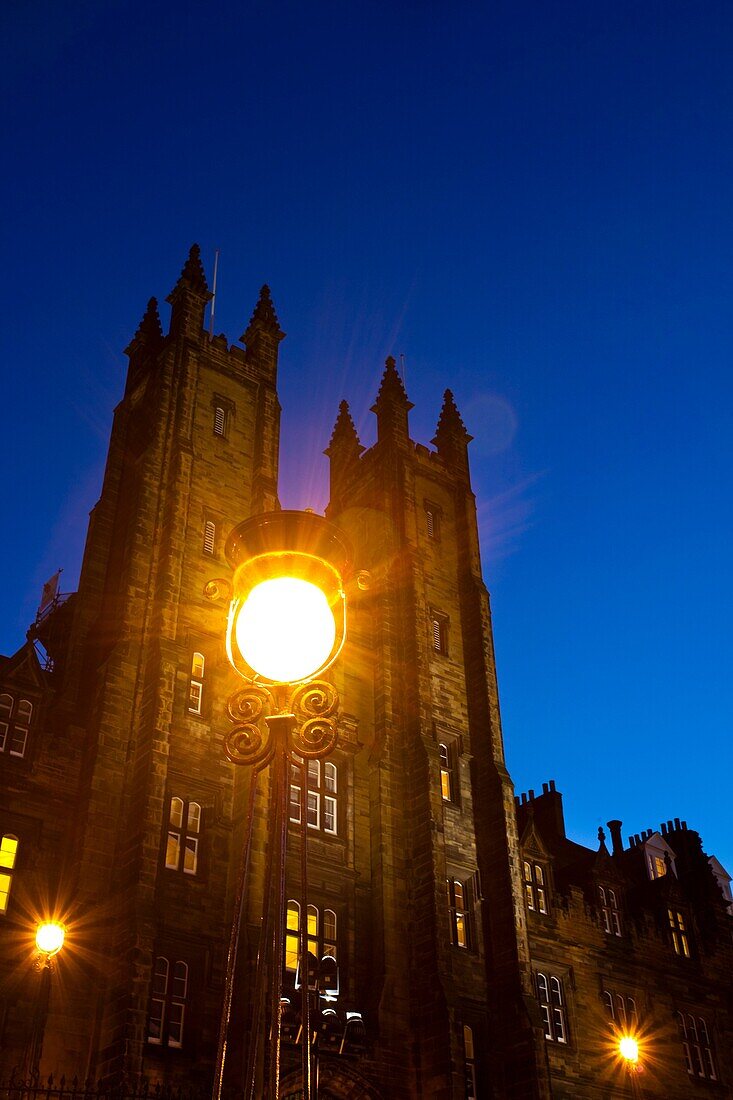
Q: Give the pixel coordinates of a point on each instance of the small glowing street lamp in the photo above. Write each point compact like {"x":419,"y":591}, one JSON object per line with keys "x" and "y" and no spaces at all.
{"x":628,"y":1049}
{"x":286,"y":627}
{"x":49,"y":940}
{"x":50,"y":937}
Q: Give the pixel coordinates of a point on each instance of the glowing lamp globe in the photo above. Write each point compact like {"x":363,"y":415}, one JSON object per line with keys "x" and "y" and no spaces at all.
{"x":50,"y":938}
{"x":628,"y":1048}
{"x":287,"y":620}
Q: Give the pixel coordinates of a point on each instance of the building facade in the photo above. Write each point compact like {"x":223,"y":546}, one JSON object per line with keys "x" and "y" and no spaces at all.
{"x":480,"y":952}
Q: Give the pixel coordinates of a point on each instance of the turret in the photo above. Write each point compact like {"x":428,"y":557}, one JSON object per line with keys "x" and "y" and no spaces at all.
{"x":189,"y":297}
{"x":451,"y":438}
{"x":263,"y":335}
{"x":344,"y":452}
{"x":392,"y":407}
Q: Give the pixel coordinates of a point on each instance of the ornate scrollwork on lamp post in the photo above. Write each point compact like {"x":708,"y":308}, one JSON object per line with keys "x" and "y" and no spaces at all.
{"x":287,"y":625}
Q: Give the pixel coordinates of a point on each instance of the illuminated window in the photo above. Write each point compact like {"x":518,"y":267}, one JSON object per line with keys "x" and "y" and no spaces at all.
{"x":609,"y":910}
{"x":220,"y":420}
{"x":470,"y":1057}
{"x":459,"y":912}
{"x":184,"y":834}
{"x":8,"y":856}
{"x":321,"y":933}
{"x":678,"y":931}
{"x":196,"y":684}
{"x":535,"y":890}
{"x":168,"y":1003}
{"x":439,"y":632}
{"x":552,"y":1007}
{"x":322,"y":791}
{"x":448,"y":787}
{"x":15,"y":718}
{"x":696,"y":1046}
{"x":209,"y":536}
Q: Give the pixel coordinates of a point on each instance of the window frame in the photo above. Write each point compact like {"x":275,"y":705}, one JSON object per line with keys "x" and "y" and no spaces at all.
{"x":534,"y":878}
{"x":690,"y":1029}
{"x":679,"y":932}
{"x":322,"y":791}
{"x":460,"y":901}
{"x":319,"y":943}
{"x":196,"y":680}
{"x":609,"y":909}
{"x":553,"y":1006}
{"x":433,"y":518}
{"x":170,"y":998}
{"x":8,"y":868}
{"x":208,"y":542}
{"x":183,"y":836}
{"x":14,"y":725}
{"x":469,"y":1057}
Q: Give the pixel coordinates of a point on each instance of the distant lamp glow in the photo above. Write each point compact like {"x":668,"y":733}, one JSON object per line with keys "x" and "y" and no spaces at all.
{"x":287,"y":619}
{"x":50,"y":938}
{"x":628,"y":1048}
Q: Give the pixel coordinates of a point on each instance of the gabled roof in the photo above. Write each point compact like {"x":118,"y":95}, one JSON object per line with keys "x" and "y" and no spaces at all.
{"x":23,"y":670}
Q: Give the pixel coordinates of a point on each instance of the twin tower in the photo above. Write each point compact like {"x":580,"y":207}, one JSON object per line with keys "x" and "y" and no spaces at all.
{"x":132,"y":819}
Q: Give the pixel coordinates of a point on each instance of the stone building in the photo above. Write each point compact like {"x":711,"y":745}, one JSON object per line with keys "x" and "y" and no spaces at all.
{"x":482,"y":953}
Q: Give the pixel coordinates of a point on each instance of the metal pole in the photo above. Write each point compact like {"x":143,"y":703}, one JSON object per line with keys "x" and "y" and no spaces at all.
{"x":234,"y":943}
{"x":213,"y":296}
{"x":40,"y":1014}
{"x":304,"y":991}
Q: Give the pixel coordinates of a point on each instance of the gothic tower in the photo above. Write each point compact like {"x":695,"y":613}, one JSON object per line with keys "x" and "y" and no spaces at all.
{"x":194,"y":449}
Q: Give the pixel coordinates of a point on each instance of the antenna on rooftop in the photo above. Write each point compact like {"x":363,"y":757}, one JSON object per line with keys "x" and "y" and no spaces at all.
{"x":213,"y":295}
{"x":402,"y":366}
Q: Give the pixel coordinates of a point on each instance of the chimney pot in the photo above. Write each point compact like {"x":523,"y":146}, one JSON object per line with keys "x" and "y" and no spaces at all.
{"x":617,"y":843}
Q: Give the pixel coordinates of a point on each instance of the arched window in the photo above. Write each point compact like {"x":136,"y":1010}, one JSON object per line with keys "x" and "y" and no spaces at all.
{"x":609,"y":911}
{"x":447,"y":771}
{"x":696,"y":1046}
{"x":329,"y":932}
{"x":534,"y":887}
{"x":196,"y":685}
{"x":14,"y":725}
{"x":552,"y":1007}
{"x":459,"y":912}
{"x":321,"y":932}
{"x":168,"y":998}
{"x":182,"y":842}
{"x":470,"y":1057}
{"x":8,"y":857}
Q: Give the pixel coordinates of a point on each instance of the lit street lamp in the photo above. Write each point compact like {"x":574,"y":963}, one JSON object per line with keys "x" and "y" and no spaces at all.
{"x":287,"y":625}
{"x":50,"y":937}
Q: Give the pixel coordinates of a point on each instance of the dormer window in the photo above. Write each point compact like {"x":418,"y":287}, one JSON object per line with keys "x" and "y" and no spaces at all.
{"x":659,"y":856}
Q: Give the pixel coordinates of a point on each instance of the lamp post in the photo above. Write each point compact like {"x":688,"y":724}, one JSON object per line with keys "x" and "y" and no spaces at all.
{"x":286,"y":626}
{"x":50,"y":937}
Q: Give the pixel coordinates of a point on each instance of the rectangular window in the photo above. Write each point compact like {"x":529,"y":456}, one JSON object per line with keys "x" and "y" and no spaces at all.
{"x":696,"y":1046}
{"x":196,"y":684}
{"x":322,"y":795}
{"x":18,"y":738}
{"x":169,"y":992}
{"x":448,"y":784}
{"x":468,"y":1050}
{"x":220,"y":420}
{"x":678,"y":930}
{"x":609,"y":911}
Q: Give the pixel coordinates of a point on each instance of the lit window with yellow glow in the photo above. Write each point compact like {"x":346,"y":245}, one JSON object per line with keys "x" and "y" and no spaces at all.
{"x":458,"y":911}
{"x":8,"y":856}
{"x":183,"y":836}
{"x":678,"y":931}
{"x":534,"y":887}
{"x":321,"y":933}
{"x":196,"y":684}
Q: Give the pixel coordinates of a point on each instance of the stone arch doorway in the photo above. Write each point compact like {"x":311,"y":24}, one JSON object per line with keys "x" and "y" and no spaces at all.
{"x":336,"y":1082}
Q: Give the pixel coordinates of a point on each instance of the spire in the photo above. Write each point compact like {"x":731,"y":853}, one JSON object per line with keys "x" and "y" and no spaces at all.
{"x":392,"y":405}
{"x":602,"y":849}
{"x":149,"y":332}
{"x":344,"y":447}
{"x":190,"y":295}
{"x":263,"y":335}
{"x":264,"y":319}
{"x":451,"y":437}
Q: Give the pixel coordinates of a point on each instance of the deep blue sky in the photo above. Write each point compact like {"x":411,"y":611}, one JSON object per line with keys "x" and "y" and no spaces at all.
{"x":531,"y":201}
